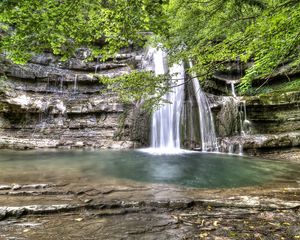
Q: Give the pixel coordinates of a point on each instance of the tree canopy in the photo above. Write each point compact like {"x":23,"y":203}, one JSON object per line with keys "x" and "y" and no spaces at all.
{"x":265,"y":33}
{"x":262,"y":33}
{"x":32,"y":26}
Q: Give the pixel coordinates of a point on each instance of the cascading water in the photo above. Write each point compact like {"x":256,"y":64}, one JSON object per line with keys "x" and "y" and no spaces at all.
{"x":166,"y":120}
{"x":207,"y":128}
{"x":238,"y":117}
{"x":233,"y":89}
{"x":165,"y":136}
{"x":245,"y":123}
{"x":97,"y":66}
{"x":61,"y":85}
{"x":75,"y":84}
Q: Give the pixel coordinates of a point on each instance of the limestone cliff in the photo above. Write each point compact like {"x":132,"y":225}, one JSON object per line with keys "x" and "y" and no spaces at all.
{"x":263,"y":122}
{"x":49,"y":103}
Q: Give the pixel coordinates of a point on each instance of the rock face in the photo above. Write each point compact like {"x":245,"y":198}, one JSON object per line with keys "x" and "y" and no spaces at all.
{"x":48,"y":103}
{"x":75,"y":211}
{"x":274,"y":113}
{"x":258,"y":123}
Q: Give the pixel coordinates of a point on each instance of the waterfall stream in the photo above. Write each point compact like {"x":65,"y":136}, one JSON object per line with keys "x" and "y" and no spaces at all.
{"x":166,"y":120}
{"x":165,"y":131}
{"x":75,"y":84}
{"x":233,"y":89}
{"x":207,"y":128}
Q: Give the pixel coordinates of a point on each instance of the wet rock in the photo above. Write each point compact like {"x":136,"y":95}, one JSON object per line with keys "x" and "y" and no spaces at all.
{"x":44,"y":59}
{"x":79,"y":144}
{"x":5,"y":187}
{"x":260,"y":141}
{"x":227,"y":118}
{"x":16,"y":187}
{"x":2,"y":214}
{"x":257,"y":122}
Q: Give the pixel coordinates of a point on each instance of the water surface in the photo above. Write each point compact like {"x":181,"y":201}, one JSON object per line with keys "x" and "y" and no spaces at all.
{"x":192,"y":169}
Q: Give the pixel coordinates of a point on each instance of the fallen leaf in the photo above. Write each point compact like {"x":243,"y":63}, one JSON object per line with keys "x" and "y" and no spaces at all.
{"x":215,"y":223}
{"x":203,"y":235}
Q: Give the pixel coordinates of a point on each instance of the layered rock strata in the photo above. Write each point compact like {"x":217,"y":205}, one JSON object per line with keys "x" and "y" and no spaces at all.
{"x":258,"y":123}
{"x":48,"y":103}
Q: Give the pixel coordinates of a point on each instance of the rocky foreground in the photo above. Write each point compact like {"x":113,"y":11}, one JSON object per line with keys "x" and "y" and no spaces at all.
{"x":132,"y":211}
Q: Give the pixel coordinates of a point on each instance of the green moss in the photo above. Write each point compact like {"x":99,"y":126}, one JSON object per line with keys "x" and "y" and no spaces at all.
{"x":279,"y":88}
{"x":274,"y":98}
{"x":289,"y":86}
{"x":2,"y":107}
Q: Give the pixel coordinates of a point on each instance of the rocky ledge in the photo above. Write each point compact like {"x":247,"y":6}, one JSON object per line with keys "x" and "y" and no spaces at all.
{"x":7,"y":142}
{"x":69,"y":211}
{"x":257,"y":123}
{"x":257,"y":143}
{"x":48,"y":103}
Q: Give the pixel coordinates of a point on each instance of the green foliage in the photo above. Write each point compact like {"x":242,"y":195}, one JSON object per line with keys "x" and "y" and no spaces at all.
{"x":33,"y":26}
{"x":265,"y":32}
{"x":141,"y":87}
{"x":288,"y":86}
{"x":211,"y":33}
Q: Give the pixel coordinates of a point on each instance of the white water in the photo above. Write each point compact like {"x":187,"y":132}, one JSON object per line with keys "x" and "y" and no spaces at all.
{"x":245,"y":123}
{"x":207,"y":128}
{"x":233,"y":89}
{"x":75,"y":84}
{"x":96,"y":68}
{"x":166,"y":120}
{"x":165,"y":151}
{"x":61,"y":85}
{"x":165,"y":135}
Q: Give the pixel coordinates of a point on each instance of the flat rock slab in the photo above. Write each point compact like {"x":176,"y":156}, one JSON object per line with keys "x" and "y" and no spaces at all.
{"x":132,"y":211}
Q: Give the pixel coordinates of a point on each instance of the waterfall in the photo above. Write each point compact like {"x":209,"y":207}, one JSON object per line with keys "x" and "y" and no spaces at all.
{"x":245,"y":123}
{"x":61,"y":88}
{"x":233,"y":116}
{"x":96,"y":68}
{"x":233,"y":89}
{"x":75,"y":84}
{"x":207,"y":127}
{"x":165,"y":134}
{"x":166,"y":120}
